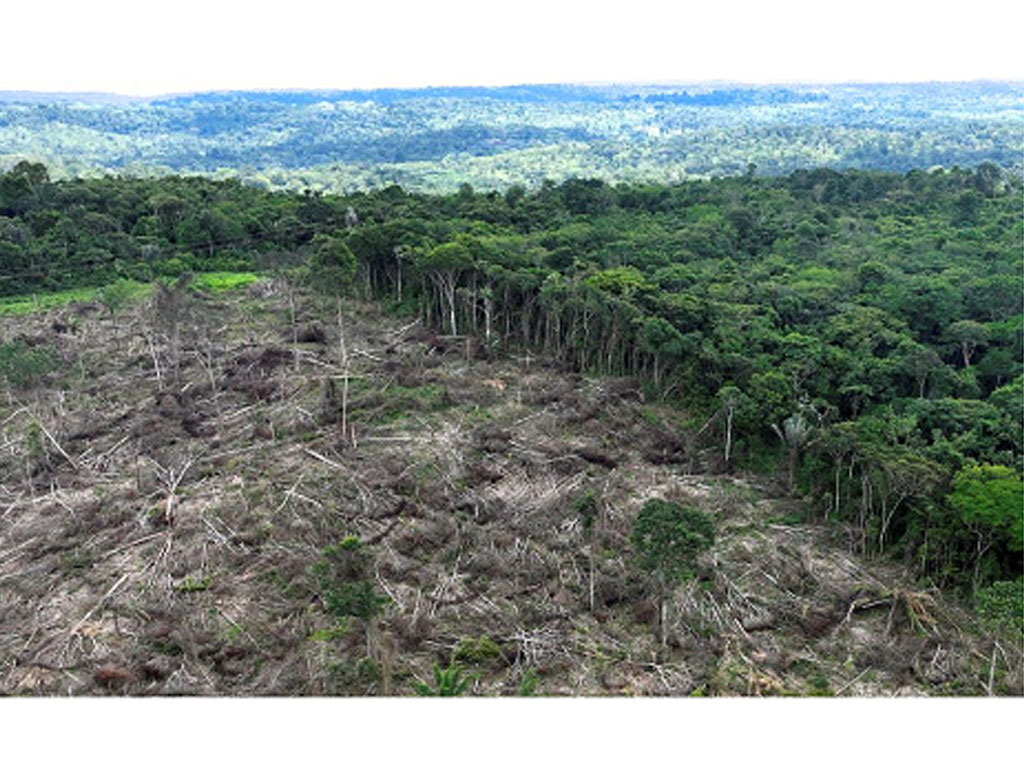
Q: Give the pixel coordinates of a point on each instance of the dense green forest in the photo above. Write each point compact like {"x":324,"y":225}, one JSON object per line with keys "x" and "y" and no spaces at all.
{"x":857,"y":333}
{"x":435,"y":139}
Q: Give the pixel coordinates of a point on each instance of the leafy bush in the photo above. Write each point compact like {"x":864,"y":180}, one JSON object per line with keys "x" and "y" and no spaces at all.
{"x":477,"y":650}
{"x":353,"y":598}
{"x":991,"y":497}
{"x":117,"y":295}
{"x":340,"y":575}
{"x":667,"y":538}
{"x":586,"y":507}
{"x":23,"y":366}
{"x":819,"y":685}
{"x":1001,"y":605}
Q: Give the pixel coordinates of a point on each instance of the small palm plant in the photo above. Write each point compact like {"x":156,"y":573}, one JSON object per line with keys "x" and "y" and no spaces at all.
{"x":448,"y":682}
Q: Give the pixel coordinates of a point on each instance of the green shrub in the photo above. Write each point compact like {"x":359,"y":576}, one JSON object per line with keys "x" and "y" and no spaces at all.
{"x":586,"y":507}
{"x":819,"y":685}
{"x":1001,"y":605}
{"x":191,"y":584}
{"x":667,"y":537}
{"x":23,"y":367}
{"x":176,"y":265}
{"x":35,"y":447}
{"x":528,"y":685}
{"x":116,"y":296}
{"x":447,"y":682}
{"x":340,"y":575}
{"x":478,"y":650}
{"x":339,"y":630}
{"x":353,"y":598}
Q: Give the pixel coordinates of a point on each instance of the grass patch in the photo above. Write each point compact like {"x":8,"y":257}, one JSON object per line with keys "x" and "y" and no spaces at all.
{"x":29,"y":303}
{"x":793,"y":517}
{"x":329,"y":634}
{"x":398,"y":402}
{"x":224,"y":281}
{"x":191,"y":584}
{"x":25,"y":304}
{"x":819,"y":685}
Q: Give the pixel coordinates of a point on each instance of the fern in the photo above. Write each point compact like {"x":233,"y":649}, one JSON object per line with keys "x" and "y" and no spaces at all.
{"x":448,"y":682}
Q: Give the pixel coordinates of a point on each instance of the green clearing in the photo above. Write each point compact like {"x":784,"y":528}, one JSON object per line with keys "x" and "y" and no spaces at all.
{"x":214,"y":282}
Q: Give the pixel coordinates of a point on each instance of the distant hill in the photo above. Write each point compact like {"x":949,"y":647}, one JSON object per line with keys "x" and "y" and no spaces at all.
{"x":61,"y":97}
{"x":435,"y":139}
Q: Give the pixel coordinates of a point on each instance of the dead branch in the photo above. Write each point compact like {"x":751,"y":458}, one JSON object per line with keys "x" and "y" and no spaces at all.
{"x":56,"y":445}
{"x":131,"y":544}
{"x":325,"y":460}
{"x":847,"y":684}
{"x":93,"y":610}
{"x":171,"y":479}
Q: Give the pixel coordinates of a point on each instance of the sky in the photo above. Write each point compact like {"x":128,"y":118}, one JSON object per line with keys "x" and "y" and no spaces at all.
{"x":148,"y":48}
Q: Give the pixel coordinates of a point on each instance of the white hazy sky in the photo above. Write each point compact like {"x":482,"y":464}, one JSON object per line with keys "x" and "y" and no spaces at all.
{"x":146,"y":47}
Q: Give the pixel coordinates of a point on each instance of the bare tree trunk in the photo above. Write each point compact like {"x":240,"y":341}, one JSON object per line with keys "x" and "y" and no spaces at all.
{"x":450,"y":292}
{"x":979,"y":553}
{"x":371,"y":631}
{"x":594,"y":537}
{"x":663,"y":628}
{"x":156,"y":363}
{"x":295,"y":327}
{"x":343,"y":349}
{"x":473,"y":304}
{"x":835,"y":506}
{"x":794,"y":452}
{"x":207,"y":359}
{"x":591,"y":579}
{"x":387,"y":652}
{"x":991,"y":674}
{"x":728,"y":435}
{"x":488,"y":312}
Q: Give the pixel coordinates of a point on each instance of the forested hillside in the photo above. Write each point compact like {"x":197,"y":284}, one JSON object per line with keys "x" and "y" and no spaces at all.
{"x":858,"y":334}
{"x":435,"y":139}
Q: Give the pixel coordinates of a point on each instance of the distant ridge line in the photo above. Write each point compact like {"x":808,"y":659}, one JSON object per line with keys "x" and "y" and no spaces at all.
{"x":529,"y":91}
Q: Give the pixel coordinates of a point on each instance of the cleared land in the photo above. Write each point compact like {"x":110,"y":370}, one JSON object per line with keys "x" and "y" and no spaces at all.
{"x":178,"y":501}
